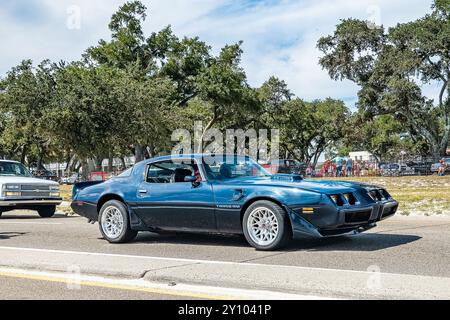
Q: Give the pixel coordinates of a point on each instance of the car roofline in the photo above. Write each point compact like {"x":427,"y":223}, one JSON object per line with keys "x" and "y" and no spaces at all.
{"x":10,"y":161}
{"x":187,"y":156}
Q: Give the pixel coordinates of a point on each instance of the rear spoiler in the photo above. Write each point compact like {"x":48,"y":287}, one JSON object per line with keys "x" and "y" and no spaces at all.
{"x":83,"y":185}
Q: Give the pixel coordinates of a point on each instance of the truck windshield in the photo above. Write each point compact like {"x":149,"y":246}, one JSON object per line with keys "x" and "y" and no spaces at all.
{"x":13,"y":169}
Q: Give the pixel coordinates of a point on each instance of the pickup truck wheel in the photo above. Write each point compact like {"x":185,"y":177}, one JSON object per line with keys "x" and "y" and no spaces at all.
{"x":266,"y":226}
{"x":47,"y":211}
{"x":114,"y":223}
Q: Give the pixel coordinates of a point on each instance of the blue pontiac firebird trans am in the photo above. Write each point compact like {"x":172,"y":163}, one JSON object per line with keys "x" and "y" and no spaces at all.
{"x":228,"y":194}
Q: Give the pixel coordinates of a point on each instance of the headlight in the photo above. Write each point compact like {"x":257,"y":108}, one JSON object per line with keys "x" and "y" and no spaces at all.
{"x":12,"y":194}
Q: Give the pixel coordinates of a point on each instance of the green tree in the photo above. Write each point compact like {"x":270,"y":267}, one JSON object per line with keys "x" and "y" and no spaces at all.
{"x":307,"y":128}
{"x":25,"y":98}
{"x":389,"y":67}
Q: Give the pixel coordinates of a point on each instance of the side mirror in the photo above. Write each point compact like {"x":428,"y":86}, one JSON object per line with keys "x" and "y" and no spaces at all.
{"x":192,"y":180}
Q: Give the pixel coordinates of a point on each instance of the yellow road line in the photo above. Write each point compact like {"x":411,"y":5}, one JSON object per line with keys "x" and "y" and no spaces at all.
{"x":106,"y":285}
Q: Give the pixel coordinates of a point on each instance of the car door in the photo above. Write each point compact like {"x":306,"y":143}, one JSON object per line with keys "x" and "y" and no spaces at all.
{"x":175,"y":205}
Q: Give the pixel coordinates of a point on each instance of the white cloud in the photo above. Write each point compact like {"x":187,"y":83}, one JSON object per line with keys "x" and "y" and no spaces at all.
{"x":279,"y":37}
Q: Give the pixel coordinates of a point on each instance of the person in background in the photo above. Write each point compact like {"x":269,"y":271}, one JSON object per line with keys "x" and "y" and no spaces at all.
{"x":338,"y":166}
{"x":442,"y":168}
{"x":326,"y":168}
{"x":363,"y":169}
{"x":349,"y":167}
{"x":344,"y":169}
{"x":309,"y":171}
{"x":333,"y":169}
{"x":357,"y":169}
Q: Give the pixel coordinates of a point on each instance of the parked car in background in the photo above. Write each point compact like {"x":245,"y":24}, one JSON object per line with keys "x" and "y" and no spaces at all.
{"x":71,"y":180}
{"x":99,"y":176}
{"x":45,"y":175}
{"x":390,"y":170}
{"x":289,"y":166}
{"x":435,"y":166}
{"x":396,"y":170}
{"x":21,"y":191}
{"x":420,"y":168}
{"x":228,"y":195}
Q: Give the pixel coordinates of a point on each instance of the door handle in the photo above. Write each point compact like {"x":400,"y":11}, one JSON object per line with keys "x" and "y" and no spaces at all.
{"x":143,"y":191}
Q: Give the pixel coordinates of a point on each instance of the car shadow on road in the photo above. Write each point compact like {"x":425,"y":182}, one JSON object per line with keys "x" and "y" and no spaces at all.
{"x":192,"y":239}
{"x":33,"y":216}
{"x":9,"y":235}
{"x":364,"y":242}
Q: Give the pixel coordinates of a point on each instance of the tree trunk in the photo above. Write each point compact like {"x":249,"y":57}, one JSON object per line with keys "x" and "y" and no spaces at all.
{"x":23,"y":154}
{"x":139,"y":153}
{"x":85,"y":170}
{"x":110,"y":163}
{"x":124,"y":165}
{"x":211,"y":123}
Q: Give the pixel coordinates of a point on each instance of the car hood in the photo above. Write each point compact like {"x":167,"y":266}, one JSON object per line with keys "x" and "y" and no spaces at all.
{"x":320,"y":186}
{"x":25,"y":180}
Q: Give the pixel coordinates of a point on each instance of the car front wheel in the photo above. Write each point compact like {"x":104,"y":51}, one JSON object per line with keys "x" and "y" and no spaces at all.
{"x":266,"y":226}
{"x":47,"y":211}
{"x":114,"y":223}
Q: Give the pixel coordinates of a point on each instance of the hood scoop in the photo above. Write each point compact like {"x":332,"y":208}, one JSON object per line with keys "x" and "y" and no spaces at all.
{"x":287,"y":177}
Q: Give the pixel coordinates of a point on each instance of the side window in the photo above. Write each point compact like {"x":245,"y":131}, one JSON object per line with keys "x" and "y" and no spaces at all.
{"x":170,"y":172}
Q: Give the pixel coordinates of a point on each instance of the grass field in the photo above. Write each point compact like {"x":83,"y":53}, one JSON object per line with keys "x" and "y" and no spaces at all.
{"x":424,"y":196}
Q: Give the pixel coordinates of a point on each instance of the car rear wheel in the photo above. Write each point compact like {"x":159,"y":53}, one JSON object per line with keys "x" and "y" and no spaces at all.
{"x":266,"y":226}
{"x":114,"y":223}
{"x":47,"y":211}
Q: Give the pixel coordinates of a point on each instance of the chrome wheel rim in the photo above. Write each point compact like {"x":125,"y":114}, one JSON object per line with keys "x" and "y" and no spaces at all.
{"x":112,"y":222}
{"x":263,"y":226}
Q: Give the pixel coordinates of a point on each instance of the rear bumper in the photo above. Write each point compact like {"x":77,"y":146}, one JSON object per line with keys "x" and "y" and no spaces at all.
{"x":85,"y":209}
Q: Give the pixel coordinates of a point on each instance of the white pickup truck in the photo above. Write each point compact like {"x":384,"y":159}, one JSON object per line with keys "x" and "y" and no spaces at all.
{"x":20,"y":191}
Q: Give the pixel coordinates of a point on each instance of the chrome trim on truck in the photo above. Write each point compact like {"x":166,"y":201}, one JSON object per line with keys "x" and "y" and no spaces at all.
{"x":29,"y":202}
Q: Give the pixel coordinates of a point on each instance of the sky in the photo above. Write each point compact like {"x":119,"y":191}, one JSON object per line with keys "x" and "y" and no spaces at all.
{"x":280,"y":36}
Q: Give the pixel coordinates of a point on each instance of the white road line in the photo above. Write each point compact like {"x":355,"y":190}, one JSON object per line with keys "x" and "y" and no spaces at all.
{"x":193,"y":261}
{"x":32,"y":223}
{"x":195,"y":291}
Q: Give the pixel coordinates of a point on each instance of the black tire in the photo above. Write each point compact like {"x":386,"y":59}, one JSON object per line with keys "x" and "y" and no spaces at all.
{"x":1,"y":214}
{"x":47,"y":211}
{"x":126,"y":234}
{"x":284,"y":235}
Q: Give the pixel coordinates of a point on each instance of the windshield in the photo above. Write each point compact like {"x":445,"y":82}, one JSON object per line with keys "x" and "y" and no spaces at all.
{"x":13,"y":169}
{"x":232,"y":167}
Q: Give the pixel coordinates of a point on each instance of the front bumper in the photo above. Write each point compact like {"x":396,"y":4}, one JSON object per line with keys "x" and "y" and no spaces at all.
{"x":328,"y":221}
{"x":30,"y":203}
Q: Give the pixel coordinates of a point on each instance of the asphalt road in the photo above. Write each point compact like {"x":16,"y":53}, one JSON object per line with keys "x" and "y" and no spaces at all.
{"x":405,"y":257}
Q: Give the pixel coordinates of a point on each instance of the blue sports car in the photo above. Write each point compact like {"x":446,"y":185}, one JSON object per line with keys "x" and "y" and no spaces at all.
{"x":228,"y":194}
